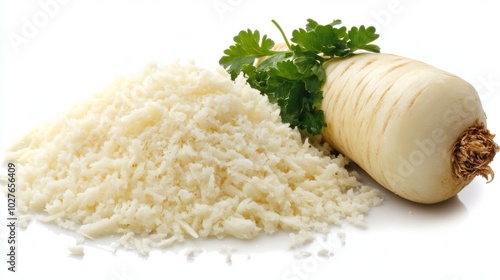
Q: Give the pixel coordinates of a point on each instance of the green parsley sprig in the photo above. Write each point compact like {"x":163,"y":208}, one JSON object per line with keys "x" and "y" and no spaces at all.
{"x":293,"y":78}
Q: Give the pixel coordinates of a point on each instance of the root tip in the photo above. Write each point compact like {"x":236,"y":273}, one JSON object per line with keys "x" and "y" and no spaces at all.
{"x":473,"y":151}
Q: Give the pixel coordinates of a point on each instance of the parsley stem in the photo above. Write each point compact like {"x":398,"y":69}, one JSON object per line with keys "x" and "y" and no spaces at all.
{"x":282,"y":34}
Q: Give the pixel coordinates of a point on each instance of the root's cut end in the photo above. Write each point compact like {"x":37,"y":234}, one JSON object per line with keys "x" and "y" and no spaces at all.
{"x":472,"y":153}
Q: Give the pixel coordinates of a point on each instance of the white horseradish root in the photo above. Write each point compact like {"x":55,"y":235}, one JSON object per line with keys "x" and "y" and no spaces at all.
{"x":417,"y":130}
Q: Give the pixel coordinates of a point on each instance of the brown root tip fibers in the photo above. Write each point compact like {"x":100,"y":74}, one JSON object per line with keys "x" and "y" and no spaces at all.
{"x":473,"y":152}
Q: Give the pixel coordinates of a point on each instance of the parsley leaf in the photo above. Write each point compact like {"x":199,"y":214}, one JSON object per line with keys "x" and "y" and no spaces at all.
{"x":311,"y":24}
{"x":324,"y":39}
{"x":361,"y":37}
{"x":248,"y":47}
{"x":293,"y":78}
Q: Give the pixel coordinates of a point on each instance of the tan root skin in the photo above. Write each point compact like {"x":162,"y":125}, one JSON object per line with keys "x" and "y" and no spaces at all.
{"x":418,"y":131}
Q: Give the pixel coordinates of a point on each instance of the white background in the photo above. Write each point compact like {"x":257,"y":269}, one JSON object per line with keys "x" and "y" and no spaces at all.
{"x":51,"y":56}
